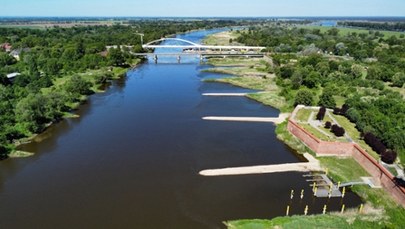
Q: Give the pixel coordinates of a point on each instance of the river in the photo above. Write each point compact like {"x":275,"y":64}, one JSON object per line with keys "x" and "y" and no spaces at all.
{"x":132,"y":159}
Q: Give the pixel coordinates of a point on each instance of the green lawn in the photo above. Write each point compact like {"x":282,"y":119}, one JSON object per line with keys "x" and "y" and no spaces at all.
{"x":303,"y":115}
{"x":351,"y":130}
{"x":344,"y":31}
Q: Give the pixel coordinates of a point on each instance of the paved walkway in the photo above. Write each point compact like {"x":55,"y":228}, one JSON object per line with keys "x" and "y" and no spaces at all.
{"x":277,"y":120}
{"x":311,"y":165}
{"x":224,"y":94}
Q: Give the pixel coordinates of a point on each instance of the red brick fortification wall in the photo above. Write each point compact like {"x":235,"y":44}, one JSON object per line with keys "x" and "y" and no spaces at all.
{"x":309,"y":140}
{"x":318,"y":146}
{"x":377,"y":171}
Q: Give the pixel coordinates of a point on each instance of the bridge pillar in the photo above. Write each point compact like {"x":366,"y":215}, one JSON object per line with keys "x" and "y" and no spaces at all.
{"x":178,"y":59}
{"x":155,"y":58}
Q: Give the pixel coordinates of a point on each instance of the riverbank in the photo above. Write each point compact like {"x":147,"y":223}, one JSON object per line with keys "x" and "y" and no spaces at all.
{"x":340,"y":169}
{"x":380,"y":211}
{"x":98,"y":79}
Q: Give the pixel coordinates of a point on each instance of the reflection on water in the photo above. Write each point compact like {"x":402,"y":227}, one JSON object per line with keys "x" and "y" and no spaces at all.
{"x":132,"y":160}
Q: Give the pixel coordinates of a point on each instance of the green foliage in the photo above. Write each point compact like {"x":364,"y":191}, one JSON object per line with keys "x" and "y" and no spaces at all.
{"x":77,"y":85}
{"x":326,"y":99}
{"x":304,"y":97}
{"x":116,"y":57}
{"x":398,"y":80}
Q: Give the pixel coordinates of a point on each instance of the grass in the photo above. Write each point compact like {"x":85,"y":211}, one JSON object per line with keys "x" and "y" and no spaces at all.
{"x":345,"y":31}
{"x":294,"y":143}
{"x":221,"y":38}
{"x":340,"y":100}
{"x":380,"y":211}
{"x":303,"y":115}
{"x":19,"y":154}
{"x":271,"y":98}
{"x":235,"y":61}
{"x":315,"y":132}
{"x":351,"y":130}
{"x":303,"y":222}
{"x":343,"y":169}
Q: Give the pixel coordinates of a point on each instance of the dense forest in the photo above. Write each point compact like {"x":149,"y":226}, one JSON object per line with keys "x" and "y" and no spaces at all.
{"x":52,"y":66}
{"x":393,"y":26}
{"x":364,"y":70}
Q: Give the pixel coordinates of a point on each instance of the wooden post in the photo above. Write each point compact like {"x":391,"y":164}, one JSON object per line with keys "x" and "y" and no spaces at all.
{"x":287,"y":212}
{"x":302,"y":194}
{"x":361,"y":209}
{"x":343,"y":192}
{"x":292,"y":194}
{"x":324,"y":209}
{"x":343,"y":209}
{"x":306,"y":210}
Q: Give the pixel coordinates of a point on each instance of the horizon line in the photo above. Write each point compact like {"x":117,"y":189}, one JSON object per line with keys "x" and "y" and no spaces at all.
{"x":317,"y":16}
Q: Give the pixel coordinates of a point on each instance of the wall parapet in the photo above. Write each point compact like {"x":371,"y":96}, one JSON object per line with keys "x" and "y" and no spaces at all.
{"x":349,"y":149}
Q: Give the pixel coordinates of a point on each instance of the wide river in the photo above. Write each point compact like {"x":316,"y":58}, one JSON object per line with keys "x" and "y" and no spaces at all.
{"x":132,"y":159}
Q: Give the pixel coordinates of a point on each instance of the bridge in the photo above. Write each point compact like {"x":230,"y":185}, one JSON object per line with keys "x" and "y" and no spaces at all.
{"x":194,"y":46}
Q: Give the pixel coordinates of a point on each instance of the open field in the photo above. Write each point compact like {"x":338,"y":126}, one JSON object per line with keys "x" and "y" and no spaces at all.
{"x":222,"y":38}
{"x":344,"y":30}
{"x":52,"y":24}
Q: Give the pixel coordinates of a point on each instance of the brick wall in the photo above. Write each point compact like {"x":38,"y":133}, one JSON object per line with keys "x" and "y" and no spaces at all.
{"x":375,"y":169}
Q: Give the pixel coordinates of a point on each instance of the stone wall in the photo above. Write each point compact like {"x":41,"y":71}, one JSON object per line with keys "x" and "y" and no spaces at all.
{"x":322,"y":148}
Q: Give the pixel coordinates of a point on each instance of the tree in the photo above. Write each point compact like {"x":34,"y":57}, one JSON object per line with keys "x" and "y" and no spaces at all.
{"x":77,"y":85}
{"x":337,"y":130}
{"x":327,"y":100}
{"x":312,"y":79}
{"x":398,"y":80}
{"x":321,"y":114}
{"x":3,"y":152}
{"x":286,"y":71}
{"x":328,"y":125}
{"x":52,"y":67}
{"x":116,"y":57}
{"x":304,"y":97}
{"x":357,"y":70}
{"x":389,"y":156}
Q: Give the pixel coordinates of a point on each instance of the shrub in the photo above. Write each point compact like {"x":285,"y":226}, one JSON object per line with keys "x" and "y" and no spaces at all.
{"x":374,"y":143}
{"x":328,"y":125}
{"x":304,"y":97}
{"x":337,"y":130}
{"x":3,"y":152}
{"x":389,"y":156}
{"x":321,"y":113}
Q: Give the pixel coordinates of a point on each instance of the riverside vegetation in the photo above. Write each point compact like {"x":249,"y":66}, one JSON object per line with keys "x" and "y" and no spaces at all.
{"x":364,"y":71}
{"x":59,"y":67}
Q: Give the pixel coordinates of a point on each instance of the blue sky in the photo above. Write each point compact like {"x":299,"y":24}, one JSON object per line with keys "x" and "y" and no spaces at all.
{"x":194,"y":8}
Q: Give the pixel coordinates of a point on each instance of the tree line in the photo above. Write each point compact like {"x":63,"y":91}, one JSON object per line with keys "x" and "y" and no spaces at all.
{"x":365,"y":70}
{"x":51,"y":67}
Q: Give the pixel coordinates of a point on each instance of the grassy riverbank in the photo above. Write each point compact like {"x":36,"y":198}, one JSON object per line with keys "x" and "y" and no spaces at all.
{"x":380,"y":210}
{"x":97,"y":79}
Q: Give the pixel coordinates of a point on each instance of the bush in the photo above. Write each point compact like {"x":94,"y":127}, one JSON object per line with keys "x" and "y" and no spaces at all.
{"x":321,"y":114}
{"x":328,"y":125}
{"x":304,"y":97}
{"x":3,"y":152}
{"x":389,"y":156}
{"x":327,"y":100}
{"x":338,"y":131}
{"x":374,"y":143}
{"x":336,"y":111}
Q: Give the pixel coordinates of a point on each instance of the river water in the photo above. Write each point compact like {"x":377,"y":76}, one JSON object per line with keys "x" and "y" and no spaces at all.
{"x":132,"y":159}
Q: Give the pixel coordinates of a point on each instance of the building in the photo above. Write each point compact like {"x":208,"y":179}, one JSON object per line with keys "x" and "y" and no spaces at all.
{"x":6,"y":47}
{"x":17,"y":52}
{"x":11,"y":76}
